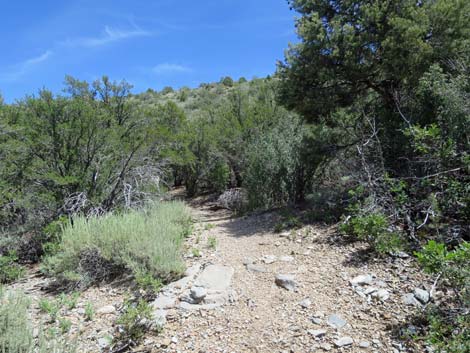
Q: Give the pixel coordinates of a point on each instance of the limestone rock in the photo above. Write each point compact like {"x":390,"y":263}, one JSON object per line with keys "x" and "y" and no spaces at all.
{"x":422,"y":295}
{"x":336,"y":321}
{"x":286,"y":281}
{"x":343,"y":341}
{"x":361,"y":280}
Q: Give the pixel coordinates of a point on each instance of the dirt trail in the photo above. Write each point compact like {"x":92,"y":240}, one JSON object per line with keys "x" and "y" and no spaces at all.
{"x":267,"y":318}
{"x":323,"y":313}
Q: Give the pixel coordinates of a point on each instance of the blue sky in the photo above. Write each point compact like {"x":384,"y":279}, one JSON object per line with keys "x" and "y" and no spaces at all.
{"x":150,"y":43}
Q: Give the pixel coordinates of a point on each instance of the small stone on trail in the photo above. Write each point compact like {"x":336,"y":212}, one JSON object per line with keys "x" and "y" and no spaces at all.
{"x":248,"y":261}
{"x":286,"y":281}
{"x":317,"y":333}
{"x":361,"y":280}
{"x":344,"y":341}
{"x":103,"y":342}
{"x":198,"y":294}
{"x":108,"y":309}
{"x":159,"y":318}
{"x":286,"y":259}
{"x":255,"y":268}
{"x":422,"y":295}
{"x":326,"y":347}
{"x":370,"y":290}
{"x":316,"y":320}
{"x":268,"y":259}
{"x":381,"y":294}
{"x":364,"y":344}
{"x":164,"y":302}
{"x":336,"y":321}
{"x":305,"y":303}
{"x":409,"y":299}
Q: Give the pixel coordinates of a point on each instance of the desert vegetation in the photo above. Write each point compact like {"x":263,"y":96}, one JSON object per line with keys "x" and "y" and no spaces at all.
{"x":365,"y":124}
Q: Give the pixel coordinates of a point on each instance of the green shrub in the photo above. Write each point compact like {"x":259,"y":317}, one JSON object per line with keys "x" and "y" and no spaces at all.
{"x":50,"y":307}
{"x":449,"y":330}
{"x":212,"y":242}
{"x":272,"y":163}
{"x":16,"y":331}
{"x":373,"y":228}
{"x":147,"y":240}
{"x":9,"y":269}
{"x":453,"y":265}
{"x":135,"y":320}
{"x":89,"y":312}
{"x":219,"y":176}
{"x":147,"y":282}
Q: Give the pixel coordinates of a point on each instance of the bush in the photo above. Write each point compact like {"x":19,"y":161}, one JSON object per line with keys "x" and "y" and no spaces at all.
{"x":373,"y":228}
{"x":9,"y":269}
{"x":144,"y":241}
{"x":233,"y":199}
{"x":135,"y":320}
{"x":16,"y":332}
{"x":449,"y":323}
{"x":272,"y":163}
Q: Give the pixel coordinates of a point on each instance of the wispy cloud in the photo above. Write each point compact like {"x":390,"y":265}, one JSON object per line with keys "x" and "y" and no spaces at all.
{"x":109,"y":35}
{"x":167,"y":68}
{"x":16,"y":71}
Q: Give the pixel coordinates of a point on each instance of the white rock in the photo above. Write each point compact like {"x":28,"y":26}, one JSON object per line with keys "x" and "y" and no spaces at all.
{"x":104,"y":342}
{"x":286,"y":259}
{"x":159,"y":317}
{"x":317,"y":333}
{"x":268,"y":259}
{"x":344,"y":341}
{"x":108,"y":309}
{"x":305,"y":303}
{"x":215,"y":277}
{"x":409,"y":299}
{"x":164,"y":302}
{"x":361,"y":280}
{"x":256,"y":268}
{"x":286,"y":281}
{"x":198,"y":294}
{"x":336,"y":321}
{"x":370,"y":290}
{"x":381,"y":294}
{"x":364,"y":344}
{"x":422,"y":295}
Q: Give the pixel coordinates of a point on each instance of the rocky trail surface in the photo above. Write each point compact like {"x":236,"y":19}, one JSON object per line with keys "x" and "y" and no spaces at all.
{"x":249,"y":289}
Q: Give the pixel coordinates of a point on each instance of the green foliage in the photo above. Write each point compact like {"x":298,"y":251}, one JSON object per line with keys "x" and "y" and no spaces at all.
{"x":272,"y":166}
{"x":373,"y":228}
{"x":449,"y":330}
{"x":69,"y":301}
{"x":287,"y":221}
{"x":354,"y":47}
{"x":148,"y":282}
{"x":88,"y":151}
{"x":135,"y":319}
{"x":16,"y":332}
{"x":449,"y":336}
{"x":220,"y":176}
{"x":9,"y":270}
{"x":227,"y":81}
{"x":148,"y":240}
{"x":50,"y":307}
{"x":89,"y":311}
{"x":453,"y":265}
{"x":212,"y":242}
{"x":64,"y":325}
